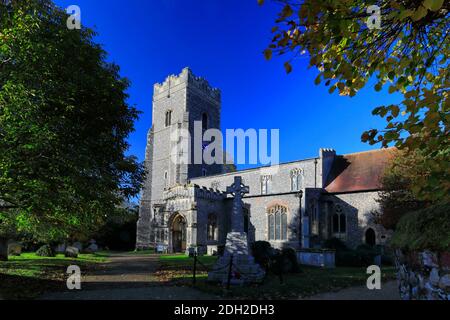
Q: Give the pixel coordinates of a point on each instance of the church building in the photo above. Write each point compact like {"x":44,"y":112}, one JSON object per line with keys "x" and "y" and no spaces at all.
{"x":300,"y":205}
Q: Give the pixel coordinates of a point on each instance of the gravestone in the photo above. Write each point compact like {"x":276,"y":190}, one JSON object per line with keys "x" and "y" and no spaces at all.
{"x":71,"y":252}
{"x":92,"y":247}
{"x":244,"y":269}
{"x":78,"y":245}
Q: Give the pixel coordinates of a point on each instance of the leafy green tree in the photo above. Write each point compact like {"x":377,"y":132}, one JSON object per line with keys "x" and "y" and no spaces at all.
{"x":64,"y":121}
{"x":397,"y":198}
{"x":408,"y":54}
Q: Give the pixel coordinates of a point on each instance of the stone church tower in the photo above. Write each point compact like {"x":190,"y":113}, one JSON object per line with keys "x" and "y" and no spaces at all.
{"x":178,"y":102}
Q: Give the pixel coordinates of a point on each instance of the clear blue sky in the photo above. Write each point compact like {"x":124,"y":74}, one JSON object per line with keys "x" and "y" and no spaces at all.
{"x":223,"y":42}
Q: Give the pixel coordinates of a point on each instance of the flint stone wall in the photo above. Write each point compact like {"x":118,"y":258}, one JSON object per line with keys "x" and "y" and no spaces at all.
{"x":423,"y":275}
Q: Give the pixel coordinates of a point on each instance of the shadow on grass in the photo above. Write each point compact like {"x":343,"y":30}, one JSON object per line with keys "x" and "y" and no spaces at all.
{"x":21,"y":287}
{"x":308,"y":282}
{"x":27,"y":276}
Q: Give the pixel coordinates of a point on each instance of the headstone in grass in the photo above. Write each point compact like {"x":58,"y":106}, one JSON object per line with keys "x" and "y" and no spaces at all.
{"x":45,"y":251}
{"x":71,"y":252}
{"x":78,"y":245}
{"x":93,"y":247}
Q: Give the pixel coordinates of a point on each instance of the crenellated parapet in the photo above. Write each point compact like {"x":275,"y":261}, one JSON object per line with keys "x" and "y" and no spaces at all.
{"x":208,"y":193}
{"x":192,"y":192}
{"x":327,"y":152}
{"x":179,"y":191}
{"x":186,"y":77}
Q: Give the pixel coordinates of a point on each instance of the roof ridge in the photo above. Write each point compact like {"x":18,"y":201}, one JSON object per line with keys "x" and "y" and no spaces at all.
{"x":368,"y":151}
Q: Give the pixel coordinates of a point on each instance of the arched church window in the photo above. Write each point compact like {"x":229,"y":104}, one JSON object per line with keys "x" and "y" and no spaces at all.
{"x":271,"y":227}
{"x":335,"y":223}
{"x":213,"y":234}
{"x":204,"y":122}
{"x":339,"y":220}
{"x":342,"y":223}
{"x":168,"y":118}
{"x":277,"y":221}
{"x":284,"y":226}
{"x":296,"y":179}
{"x":277,"y":225}
{"x":266,"y":184}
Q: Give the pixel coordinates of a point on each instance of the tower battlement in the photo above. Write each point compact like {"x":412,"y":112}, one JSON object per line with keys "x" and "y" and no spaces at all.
{"x":327,"y":152}
{"x":191,"y":191}
{"x":188,"y":78}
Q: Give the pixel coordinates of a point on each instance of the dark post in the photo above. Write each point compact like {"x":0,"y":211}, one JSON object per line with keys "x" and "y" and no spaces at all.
{"x":299,"y":195}
{"x":280,"y":267}
{"x":281,"y":273}
{"x":230,"y":267}
{"x":195,"y":267}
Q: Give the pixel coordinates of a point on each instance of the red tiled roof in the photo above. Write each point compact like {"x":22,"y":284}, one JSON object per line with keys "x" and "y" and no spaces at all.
{"x":358,"y":171}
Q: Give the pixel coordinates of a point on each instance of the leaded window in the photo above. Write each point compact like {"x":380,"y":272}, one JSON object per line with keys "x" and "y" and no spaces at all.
{"x":168,"y":118}
{"x":296,"y":179}
{"x":266,"y":184}
{"x":277,"y":221}
{"x":212,"y":227}
{"x":339,"y":220}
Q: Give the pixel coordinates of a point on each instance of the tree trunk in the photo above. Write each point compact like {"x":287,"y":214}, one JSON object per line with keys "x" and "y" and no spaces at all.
{"x":3,"y":249}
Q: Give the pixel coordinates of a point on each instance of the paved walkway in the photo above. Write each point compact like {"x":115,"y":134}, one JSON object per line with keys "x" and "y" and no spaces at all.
{"x":126,"y":277}
{"x":388,"y":291}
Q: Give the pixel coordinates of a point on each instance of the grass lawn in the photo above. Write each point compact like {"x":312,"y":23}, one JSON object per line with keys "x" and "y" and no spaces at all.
{"x":177,"y":269}
{"x":28,"y":275}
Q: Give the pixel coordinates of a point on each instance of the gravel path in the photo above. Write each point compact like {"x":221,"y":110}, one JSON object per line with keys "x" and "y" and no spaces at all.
{"x":126,"y":277}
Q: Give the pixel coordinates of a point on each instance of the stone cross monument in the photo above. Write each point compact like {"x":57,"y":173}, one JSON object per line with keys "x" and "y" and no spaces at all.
{"x":238,"y":190}
{"x":244,"y":269}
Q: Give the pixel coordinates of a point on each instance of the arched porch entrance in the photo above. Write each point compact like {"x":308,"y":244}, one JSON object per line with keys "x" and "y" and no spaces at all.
{"x":178,"y":233}
{"x":370,"y":237}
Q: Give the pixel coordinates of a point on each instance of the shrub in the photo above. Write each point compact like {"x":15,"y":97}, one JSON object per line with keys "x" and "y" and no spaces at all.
{"x":45,"y":251}
{"x":119,"y":232}
{"x":367,"y":254}
{"x":427,"y":228}
{"x":289,"y":260}
{"x":335,"y":244}
{"x":275,"y":260}
{"x":363,"y":256}
{"x":349,"y":258}
{"x":220,"y":250}
{"x":387,"y":254}
{"x":262,"y":252}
